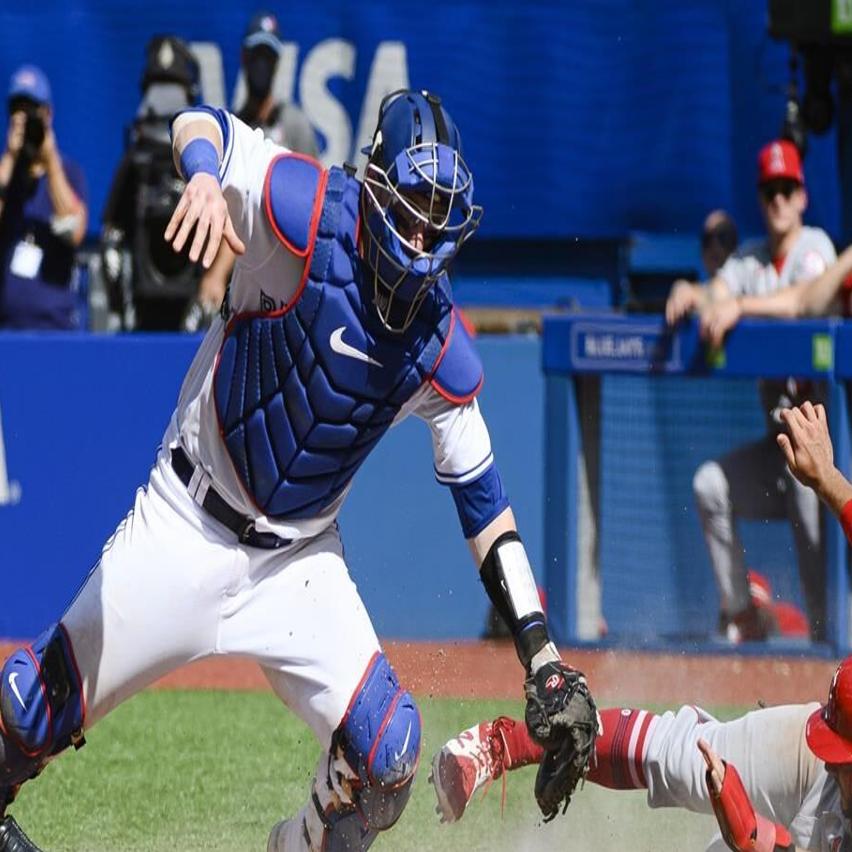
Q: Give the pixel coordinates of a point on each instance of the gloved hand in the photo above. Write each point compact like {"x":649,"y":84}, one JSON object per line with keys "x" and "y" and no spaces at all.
{"x":561,"y":717}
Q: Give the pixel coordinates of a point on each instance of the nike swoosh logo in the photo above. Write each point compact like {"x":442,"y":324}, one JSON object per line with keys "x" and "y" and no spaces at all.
{"x":12,"y":678}
{"x":404,"y":745}
{"x":341,"y":348}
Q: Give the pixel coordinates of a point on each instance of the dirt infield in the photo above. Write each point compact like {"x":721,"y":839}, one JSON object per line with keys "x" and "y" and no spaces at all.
{"x":469,"y":670}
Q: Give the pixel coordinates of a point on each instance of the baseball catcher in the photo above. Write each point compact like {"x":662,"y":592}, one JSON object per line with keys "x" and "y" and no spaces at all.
{"x":338,"y":323}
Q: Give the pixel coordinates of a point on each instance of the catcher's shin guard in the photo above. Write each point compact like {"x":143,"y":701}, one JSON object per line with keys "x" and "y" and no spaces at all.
{"x":13,"y":839}
{"x":362,"y":787}
{"x":41,"y":707}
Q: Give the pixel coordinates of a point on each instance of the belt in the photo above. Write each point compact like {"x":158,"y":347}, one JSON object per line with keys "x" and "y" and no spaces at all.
{"x":216,"y":506}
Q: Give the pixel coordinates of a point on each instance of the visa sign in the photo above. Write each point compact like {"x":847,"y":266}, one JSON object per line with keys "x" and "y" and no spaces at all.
{"x":308,"y":85}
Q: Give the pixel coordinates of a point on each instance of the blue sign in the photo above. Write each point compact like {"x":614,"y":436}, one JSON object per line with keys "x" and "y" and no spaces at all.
{"x":554,"y":101}
{"x":633,"y":347}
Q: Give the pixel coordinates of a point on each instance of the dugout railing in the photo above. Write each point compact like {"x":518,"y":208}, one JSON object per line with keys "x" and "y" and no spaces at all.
{"x":581,"y":350}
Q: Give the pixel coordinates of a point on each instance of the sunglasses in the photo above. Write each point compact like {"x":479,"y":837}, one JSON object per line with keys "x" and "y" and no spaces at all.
{"x":782,"y":186}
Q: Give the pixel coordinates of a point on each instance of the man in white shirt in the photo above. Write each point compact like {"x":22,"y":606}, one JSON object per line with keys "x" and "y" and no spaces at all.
{"x":752,"y":482}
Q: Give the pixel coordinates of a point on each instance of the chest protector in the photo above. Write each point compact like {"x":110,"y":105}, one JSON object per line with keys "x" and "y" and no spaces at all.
{"x":304,"y":392}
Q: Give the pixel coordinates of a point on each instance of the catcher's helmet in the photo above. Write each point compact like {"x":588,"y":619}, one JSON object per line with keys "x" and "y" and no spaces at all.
{"x":829,"y":729}
{"x":417,"y":202}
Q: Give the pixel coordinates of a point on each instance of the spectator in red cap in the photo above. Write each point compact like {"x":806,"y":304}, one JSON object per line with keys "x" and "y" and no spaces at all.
{"x":752,"y":481}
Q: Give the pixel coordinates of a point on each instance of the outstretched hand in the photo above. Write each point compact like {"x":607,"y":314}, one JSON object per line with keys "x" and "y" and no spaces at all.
{"x":807,"y":444}
{"x":202,"y":206}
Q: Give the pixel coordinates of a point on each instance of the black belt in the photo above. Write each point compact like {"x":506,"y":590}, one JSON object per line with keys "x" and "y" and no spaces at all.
{"x":215,"y":505}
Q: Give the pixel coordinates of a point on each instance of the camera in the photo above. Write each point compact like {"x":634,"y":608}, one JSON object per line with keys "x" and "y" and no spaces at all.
{"x":34,"y":129}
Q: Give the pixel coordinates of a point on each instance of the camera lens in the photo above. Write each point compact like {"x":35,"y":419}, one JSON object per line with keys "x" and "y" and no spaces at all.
{"x":34,"y":131}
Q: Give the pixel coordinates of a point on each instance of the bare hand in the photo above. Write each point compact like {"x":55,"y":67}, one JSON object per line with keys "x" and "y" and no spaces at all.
{"x":48,"y":148}
{"x":807,"y":447}
{"x":680,"y":302}
{"x":714,"y":766}
{"x":202,"y":206}
{"x":717,"y":319}
{"x":15,"y":135}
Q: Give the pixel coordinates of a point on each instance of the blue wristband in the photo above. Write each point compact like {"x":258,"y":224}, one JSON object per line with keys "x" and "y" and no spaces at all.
{"x":199,"y":156}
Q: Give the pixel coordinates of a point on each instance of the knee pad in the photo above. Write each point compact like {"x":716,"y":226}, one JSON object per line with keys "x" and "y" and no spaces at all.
{"x":379,"y":738}
{"x":41,"y":697}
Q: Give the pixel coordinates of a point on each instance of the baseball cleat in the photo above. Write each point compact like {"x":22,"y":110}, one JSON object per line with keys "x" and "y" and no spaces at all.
{"x":13,"y":839}
{"x":470,"y":761}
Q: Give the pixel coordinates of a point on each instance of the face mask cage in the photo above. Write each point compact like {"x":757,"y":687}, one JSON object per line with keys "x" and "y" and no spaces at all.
{"x":416,"y":215}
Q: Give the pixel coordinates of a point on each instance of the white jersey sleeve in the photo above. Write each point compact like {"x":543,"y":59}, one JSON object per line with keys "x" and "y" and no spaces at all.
{"x":744,"y":267}
{"x":752,"y":271}
{"x":461,"y":445}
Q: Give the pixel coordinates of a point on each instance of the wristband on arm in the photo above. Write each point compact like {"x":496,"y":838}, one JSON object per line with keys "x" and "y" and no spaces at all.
{"x":743,"y":829}
{"x":509,"y":582}
{"x":199,"y":156}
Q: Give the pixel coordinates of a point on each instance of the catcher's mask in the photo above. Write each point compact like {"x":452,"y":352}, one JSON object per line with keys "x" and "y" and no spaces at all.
{"x":416,"y":204}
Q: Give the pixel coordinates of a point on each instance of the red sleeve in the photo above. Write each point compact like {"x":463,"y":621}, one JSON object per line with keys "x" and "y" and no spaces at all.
{"x":846,"y":520}
{"x":846,"y":296}
{"x":743,"y":829}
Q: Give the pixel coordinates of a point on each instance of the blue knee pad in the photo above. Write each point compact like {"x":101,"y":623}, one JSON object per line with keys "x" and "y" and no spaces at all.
{"x":41,"y":697}
{"x":380,"y":740}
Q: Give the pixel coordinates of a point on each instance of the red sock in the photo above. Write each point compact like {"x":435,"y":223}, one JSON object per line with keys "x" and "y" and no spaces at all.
{"x":619,"y":749}
{"x":518,"y":748}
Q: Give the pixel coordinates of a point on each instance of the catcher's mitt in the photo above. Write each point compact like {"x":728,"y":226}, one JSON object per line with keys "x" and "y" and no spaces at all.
{"x":561,"y":716}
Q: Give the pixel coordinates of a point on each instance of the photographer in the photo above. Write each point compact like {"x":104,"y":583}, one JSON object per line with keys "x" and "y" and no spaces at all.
{"x":284,"y":123}
{"x":149,"y":286}
{"x":43,"y":213}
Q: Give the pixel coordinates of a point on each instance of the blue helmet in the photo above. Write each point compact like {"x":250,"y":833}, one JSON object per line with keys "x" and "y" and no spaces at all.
{"x":416,"y":204}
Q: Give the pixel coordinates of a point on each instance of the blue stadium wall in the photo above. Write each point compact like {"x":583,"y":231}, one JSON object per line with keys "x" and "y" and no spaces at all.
{"x":663,"y":103}
{"x":81,"y":417}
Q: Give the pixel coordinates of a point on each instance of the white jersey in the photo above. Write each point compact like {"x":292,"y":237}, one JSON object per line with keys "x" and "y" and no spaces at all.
{"x":750,"y":271}
{"x":265,"y":278}
{"x":786,"y":782}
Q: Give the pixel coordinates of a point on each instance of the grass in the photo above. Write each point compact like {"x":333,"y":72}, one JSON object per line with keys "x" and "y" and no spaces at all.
{"x":215,"y":770}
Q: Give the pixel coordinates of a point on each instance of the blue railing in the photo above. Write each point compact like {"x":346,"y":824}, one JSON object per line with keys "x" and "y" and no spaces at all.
{"x":587,"y":345}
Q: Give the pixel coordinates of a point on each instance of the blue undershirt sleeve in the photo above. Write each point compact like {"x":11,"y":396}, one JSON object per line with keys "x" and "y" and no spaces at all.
{"x":479,"y":501}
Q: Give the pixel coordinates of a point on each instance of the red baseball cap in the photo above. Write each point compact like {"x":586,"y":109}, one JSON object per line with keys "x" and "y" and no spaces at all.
{"x":829,"y":729}
{"x":779,"y":159}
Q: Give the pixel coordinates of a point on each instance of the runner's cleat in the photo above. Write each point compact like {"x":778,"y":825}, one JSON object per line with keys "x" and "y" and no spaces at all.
{"x":470,"y":761}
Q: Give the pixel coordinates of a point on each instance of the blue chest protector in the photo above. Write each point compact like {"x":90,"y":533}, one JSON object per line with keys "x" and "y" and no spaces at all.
{"x":303,"y":393}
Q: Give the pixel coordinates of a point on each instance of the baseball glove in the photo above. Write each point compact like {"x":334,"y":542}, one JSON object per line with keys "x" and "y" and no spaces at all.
{"x":561,"y":717}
